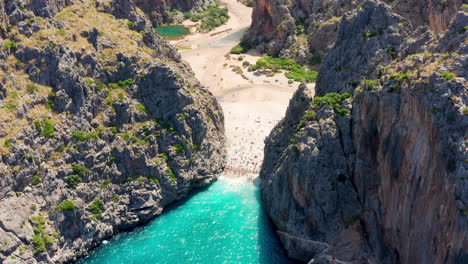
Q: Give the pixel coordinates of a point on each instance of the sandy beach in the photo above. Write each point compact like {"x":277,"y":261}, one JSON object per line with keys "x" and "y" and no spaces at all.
{"x":252,"y":102}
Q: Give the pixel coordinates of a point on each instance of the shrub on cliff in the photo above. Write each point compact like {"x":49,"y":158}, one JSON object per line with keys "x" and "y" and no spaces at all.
{"x":66,"y":205}
{"x":48,"y":128}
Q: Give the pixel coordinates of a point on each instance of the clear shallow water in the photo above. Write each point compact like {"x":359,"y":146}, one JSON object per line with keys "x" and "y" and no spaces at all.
{"x":223,"y":223}
{"x":172,"y":31}
{"x":226,"y":40}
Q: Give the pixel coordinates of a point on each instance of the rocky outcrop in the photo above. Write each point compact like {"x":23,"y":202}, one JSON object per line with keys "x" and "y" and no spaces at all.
{"x":306,"y":30}
{"x":373,"y":168}
{"x":160,"y":11}
{"x":102,"y":125}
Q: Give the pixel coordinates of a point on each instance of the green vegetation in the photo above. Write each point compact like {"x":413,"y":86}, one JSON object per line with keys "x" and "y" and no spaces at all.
{"x":448,"y":76}
{"x":66,"y":205}
{"x":171,"y":175}
{"x":309,"y":115}
{"x":212,"y":17}
{"x":7,"y":143}
{"x":369,"y":84}
{"x":333,"y":100}
{"x":9,"y":44}
{"x":84,"y":136}
{"x":465,"y":111}
{"x":36,"y":180}
{"x":242,"y":47}
{"x":79,"y":170}
{"x":400,"y":77}
{"x":121,"y":84}
{"x":50,"y":101}
{"x":180,"y":116}
{"x":73,"y":180}
{"x":179,"y":148}
{"x":48,"y":128}
{"x":141,"y":108}
{"x":164,"y":156}
{"x":96,"y":208}
{"x":40,"y":238}
{"x":295,"y":71}
{"x":105,"y":183}
{"x":297,"y":150}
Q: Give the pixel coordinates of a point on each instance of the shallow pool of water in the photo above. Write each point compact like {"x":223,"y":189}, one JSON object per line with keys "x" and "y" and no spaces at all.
{"x":223,"y":223}
{"x":226,"y":40}
{"x":172,"y":31}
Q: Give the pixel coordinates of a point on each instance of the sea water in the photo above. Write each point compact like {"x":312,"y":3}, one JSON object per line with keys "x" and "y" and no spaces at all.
{"x":223,"y":223}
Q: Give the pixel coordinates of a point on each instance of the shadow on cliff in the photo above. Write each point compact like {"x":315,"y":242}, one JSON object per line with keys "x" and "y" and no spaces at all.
{"x":270,"y":248}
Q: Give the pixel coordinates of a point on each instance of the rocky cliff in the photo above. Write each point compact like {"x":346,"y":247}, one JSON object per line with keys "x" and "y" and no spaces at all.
{"x":101,"y":126}
{"x":159,"y":11}
{"x":373,"y":169}
{"x":306,"y":30}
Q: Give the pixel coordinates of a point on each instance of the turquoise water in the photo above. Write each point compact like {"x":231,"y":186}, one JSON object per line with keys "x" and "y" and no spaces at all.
{"x":223,"y":223}
{"x":172,"y":31}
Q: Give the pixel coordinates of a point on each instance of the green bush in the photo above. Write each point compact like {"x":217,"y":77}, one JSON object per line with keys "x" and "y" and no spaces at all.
{"x":7,"y":143}
{"x":66,"y":205}
{"x":295,"y":71}
{"x":73,"y":181}
{"x":171,"y":175}
{"x":448,"y":76}
{"x":369,"y":84}
{"x":121,"y":84}
{"x":211,"y":17}
{"x":48,"y":128}
{"x":242,"y":47}
{"x":141,"y":108}
{"x":79,"y":170}
{"x":309,"y":115}
{"x":164,"y":156}
{"x":179,"y":148}
{"x":9,"y":44}
{"x":297,"y":150}
{"x":96,"y":208}
{"x":36,"y":180}
{"x":50,"y":101}
{"x":333,"y":100}
{"x":40,"y":238}
{"x":400,"y":77}
{"x":84,"y":136}
{"x":105,"y":183}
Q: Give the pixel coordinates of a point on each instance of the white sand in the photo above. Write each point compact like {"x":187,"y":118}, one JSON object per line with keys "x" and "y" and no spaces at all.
{"x":251,"y":107}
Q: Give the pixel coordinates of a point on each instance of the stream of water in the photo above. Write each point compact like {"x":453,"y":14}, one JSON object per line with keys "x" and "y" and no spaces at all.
{"x":223,"y":223}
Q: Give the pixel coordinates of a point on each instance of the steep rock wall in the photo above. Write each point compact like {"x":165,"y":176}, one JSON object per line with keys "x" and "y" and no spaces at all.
{"x":373,"y":169}
{"x":101,"y":126}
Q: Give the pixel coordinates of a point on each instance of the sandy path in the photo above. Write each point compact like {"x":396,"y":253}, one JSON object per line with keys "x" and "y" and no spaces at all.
{"x":252,"y":104}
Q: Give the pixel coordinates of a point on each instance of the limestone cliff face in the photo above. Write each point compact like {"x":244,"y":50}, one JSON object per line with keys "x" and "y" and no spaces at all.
{"x":373,"y":168}
{"x":159,"y":10}
{"x":101,"y":126}
{"x":304,"y":29}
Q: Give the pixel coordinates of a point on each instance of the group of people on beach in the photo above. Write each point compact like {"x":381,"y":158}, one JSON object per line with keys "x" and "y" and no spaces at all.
{"x":245,"y":150}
